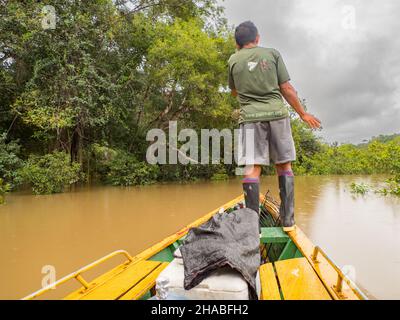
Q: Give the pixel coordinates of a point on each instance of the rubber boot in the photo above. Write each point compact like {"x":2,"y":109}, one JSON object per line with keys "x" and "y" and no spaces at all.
{"x":252,"y":196}
{"x":251,"y":192}
{"x":286,"y":210}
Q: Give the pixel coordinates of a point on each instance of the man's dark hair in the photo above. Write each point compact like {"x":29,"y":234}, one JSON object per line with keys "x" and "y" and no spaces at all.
{"x":245,"y":33}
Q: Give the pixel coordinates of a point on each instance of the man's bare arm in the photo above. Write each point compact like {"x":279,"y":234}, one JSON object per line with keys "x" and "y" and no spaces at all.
{"x":290,"y":94}
{"x":234,"y":93}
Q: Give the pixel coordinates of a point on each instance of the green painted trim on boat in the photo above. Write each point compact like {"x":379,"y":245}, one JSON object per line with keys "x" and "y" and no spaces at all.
{"x":166,"y":255}
{"x":175,"y":246}
{"x":146,"y":296}
{"x":273,"y":235}
{"x":298,"y":254}
{"x":181,"y":240}
{"x":289,"y":252}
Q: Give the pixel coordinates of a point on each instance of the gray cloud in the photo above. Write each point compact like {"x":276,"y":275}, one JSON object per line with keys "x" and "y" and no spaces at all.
{"x":350,"y":77}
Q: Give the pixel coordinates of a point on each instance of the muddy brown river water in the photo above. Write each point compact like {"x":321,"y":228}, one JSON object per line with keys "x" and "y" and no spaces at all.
{"x":69,"y":230}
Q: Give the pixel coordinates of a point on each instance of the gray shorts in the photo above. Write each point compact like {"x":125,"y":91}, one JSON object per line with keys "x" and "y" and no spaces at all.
{"x":261,"y":141}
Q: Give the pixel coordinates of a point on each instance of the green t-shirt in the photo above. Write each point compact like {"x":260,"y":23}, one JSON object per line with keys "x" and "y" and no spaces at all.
{"x":256,"y":74}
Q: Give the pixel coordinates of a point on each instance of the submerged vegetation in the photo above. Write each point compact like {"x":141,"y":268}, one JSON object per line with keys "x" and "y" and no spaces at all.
{"x":391,"y":187}
{"x":80,"y":97}
{"x":359,"y":188}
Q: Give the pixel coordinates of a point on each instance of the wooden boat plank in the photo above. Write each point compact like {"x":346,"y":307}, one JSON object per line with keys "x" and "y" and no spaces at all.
{"x":269,"y":284}
{"x":98,"y":281}
{"x":324,"y":270}
{"x":122,"y":282}
{"x":299,"y":281}
{"x":145,"y":285}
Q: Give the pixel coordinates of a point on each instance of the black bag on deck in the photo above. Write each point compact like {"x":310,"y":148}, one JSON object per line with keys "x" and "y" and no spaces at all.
{"x":227,"y":239}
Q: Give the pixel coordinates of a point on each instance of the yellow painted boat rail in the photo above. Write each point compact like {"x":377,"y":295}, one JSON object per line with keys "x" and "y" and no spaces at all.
{"x":340,"y":276}
{"x":78,"y":274}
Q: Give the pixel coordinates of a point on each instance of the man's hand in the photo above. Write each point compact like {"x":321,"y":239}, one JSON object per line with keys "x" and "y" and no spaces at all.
{"x":312,"y":121}
{"x":290,"y":94}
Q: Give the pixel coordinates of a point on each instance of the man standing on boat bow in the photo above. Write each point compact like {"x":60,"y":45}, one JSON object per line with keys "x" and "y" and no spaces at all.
{"x":259,"y":78}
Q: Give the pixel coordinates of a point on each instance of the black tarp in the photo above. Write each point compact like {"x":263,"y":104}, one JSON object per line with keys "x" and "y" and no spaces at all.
{"x":227,"y":239}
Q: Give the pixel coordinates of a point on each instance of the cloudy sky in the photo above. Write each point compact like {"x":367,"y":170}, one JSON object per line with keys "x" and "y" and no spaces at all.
{"x":343,"y":57}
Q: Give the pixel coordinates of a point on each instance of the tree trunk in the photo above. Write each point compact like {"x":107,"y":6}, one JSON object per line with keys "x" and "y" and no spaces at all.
{"x":76,"y":146}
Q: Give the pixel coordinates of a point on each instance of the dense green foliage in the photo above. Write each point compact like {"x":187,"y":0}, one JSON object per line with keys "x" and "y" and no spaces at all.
{"x":125,"y":170}
{"x":219,"y":176}
{"x":374,"y":157}
{"x":107,"y":73}
{"x":4,"y":188}
{"x":10,"y":162}
{"x":50,"y":173}
{"x":82,"y":96}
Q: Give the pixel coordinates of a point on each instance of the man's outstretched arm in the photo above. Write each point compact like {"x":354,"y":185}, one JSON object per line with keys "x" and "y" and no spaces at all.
{"x":290,"y":95}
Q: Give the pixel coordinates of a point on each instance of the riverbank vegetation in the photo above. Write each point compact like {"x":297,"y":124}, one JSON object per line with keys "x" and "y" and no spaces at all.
{"x":77,"y":100}
{"x":4,"y":188}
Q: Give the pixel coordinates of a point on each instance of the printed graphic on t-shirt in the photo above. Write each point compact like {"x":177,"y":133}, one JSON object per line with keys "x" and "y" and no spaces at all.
{"x":264,"y":65}
{"x":252,"y":65}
